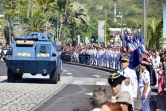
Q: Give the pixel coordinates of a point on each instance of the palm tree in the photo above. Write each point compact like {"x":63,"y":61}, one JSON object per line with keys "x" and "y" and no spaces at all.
{"x":46,"y":5}
{"x":62,"y":5}
{"x":76,"y":14}
{"x":35,"y":24}
{"x":154,"y":34}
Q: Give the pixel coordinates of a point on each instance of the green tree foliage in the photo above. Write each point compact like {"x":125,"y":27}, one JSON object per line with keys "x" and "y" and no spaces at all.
{"x":79,"y":12}
{"x":154,"y":34}
{"x":35,"y":23}
{"x":1,"y":7}
{"x":76,"y":15}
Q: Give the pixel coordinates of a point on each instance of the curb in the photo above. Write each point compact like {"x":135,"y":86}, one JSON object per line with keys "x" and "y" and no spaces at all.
{"x":90,"y":66}
{"x":49,"y":97}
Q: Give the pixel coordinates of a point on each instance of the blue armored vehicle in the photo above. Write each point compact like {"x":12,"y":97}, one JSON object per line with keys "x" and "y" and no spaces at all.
{"x":33,"y":54}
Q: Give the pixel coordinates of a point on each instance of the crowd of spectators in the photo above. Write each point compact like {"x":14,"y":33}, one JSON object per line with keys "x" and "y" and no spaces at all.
{"x":109,"y":57}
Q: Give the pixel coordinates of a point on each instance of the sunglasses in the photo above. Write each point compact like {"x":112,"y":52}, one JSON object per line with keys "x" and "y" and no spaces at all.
{"x":124,"y":61}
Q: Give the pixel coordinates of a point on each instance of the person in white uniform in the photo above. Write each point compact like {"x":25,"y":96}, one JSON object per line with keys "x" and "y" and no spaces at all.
{"x":144,"y":83}
{"x":130,"y":84}
{"x":155,"y":63}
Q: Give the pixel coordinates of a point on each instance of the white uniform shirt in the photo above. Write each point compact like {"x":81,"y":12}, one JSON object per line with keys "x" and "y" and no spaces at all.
{"x":144,"y":78}
{"x":150,"y":58}
{"x":96,"y":109}
{"x":94,"y":52}
{"x":132,"y":87}
{"x":156,"y":62}
{"x":5,"y":51}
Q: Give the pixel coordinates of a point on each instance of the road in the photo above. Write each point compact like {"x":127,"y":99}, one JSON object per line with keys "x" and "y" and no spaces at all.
{"x":72,"y":92}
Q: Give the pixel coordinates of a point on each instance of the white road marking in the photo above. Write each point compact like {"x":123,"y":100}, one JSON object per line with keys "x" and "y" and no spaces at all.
{"x":96,"y":76}
{"x":66,"y":79}
{"x":101,"y":83}
{"x":2,"y":78}
{"x":90,"y":94}
{"x":78,"y":82}
{"x":69,"y":73}
{"x":65,"y":70}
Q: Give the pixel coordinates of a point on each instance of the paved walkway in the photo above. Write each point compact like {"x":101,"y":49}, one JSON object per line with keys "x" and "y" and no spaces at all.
{"x":24,"y":97}
{"x":157,"y":103}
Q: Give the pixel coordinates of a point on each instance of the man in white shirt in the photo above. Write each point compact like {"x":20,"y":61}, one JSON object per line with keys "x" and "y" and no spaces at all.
{"x":130,"y":84}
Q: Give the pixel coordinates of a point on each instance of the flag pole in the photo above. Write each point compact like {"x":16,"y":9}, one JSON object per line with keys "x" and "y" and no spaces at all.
{"x":105,"y":28}
{"x":145,"y":21}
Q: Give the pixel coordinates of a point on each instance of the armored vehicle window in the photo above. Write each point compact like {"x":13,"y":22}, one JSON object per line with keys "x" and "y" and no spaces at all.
{"x":24,"y":43}
{"x":55,"y":46}
{"x":43,"y":49}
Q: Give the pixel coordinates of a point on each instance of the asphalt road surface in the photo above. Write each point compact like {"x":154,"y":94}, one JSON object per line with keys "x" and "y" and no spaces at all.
{"x":74,"y":91}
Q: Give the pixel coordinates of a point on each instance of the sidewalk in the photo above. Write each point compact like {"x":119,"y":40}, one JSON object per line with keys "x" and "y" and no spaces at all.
{"x":157,"y":103}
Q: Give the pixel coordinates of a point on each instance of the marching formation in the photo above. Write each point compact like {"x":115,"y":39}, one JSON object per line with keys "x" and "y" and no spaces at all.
{"x":93,"y":55}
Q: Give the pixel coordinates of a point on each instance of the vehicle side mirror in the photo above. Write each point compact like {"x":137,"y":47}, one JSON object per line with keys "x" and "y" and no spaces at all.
{"x":53,"y":54}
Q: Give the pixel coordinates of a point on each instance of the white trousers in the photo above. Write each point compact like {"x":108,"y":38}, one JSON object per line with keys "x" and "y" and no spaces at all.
{"x":145,"y":102}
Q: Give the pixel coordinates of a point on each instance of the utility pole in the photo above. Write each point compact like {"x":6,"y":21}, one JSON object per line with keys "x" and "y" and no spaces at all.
{"x":145,"y":20}
{"x":121,"y":23}
{"x":105,"y":29}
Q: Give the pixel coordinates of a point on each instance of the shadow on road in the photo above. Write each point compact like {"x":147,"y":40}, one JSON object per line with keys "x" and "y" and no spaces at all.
{"x":159,"y":103}
{"x":31,"y":80}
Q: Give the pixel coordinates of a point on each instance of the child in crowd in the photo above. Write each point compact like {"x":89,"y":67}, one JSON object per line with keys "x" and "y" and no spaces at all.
{"x":160,"y":73}
{"x":109,"y":106}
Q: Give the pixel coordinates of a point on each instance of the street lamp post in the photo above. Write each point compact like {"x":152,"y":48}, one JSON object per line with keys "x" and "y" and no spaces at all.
{"x":92,"y":40}
{"x":121,"y":23}
{"x":10,"y":35}
{"x":120,"y":16}
{"x":145,"y":19}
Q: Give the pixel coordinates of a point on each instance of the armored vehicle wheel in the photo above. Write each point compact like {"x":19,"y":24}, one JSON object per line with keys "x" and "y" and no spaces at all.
{"x":11,"y":76}
{"x":54,"y":77}
{"x":59,"y":76}
{"x":19,"y":76}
